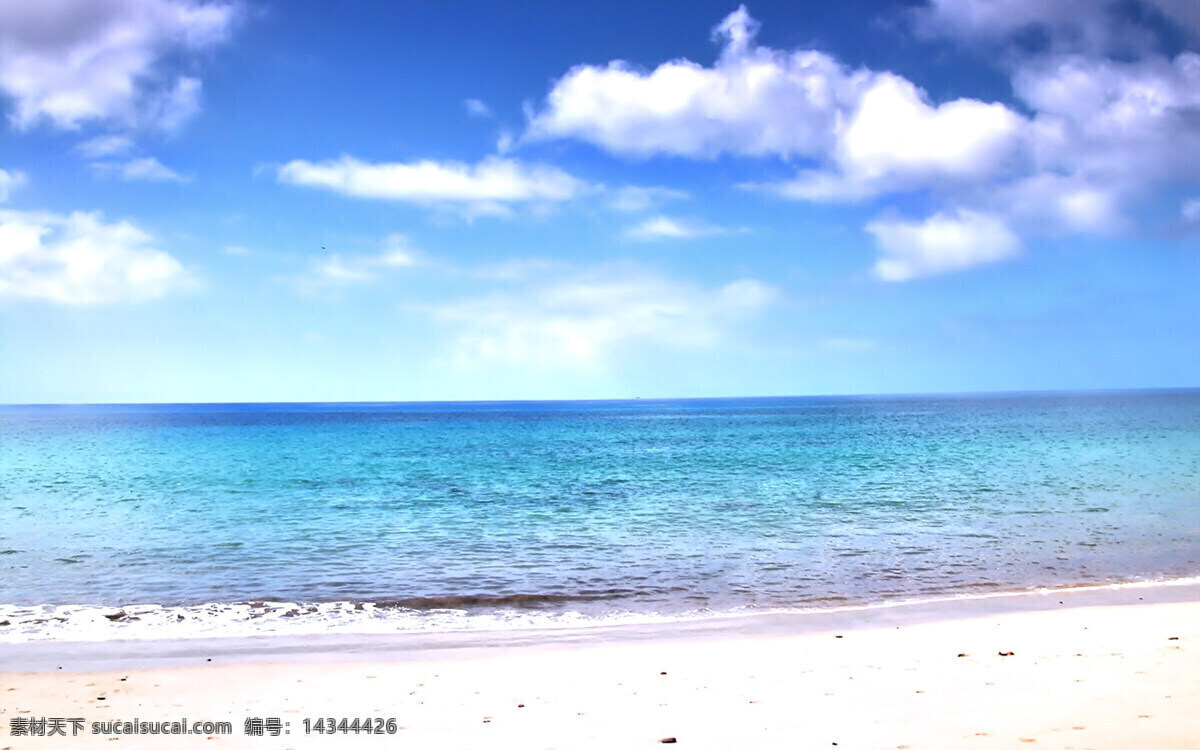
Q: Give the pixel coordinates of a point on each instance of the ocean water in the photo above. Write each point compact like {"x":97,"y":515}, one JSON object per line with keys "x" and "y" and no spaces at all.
{"x":198,"y":519}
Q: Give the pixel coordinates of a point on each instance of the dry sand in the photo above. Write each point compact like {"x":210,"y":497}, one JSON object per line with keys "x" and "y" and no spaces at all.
{"x":1078,"y":677}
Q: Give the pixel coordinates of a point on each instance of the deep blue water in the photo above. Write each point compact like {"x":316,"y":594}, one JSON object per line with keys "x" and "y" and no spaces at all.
{"x":597,"y":507}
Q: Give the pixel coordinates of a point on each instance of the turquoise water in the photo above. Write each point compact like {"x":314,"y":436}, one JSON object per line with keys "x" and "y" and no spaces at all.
{"x":594,"y":508}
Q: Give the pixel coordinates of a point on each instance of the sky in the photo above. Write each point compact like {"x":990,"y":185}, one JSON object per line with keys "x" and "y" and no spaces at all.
{"x":249,"y":200}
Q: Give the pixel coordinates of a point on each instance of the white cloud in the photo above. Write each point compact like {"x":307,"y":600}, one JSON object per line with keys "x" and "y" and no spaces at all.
{"x":336,"y":269}
{"x":1048,"y":203}
{"x":146,"y":168}
{"x":79,"y":259}
{"x":895,"y":130}
{"x":1107,"y":120}
{"x":68,"y":62}
{"x":505,"y":142}
{"x":896,"y":140}
{"x":171,"y":110}
{"x":1190,"y":210}
{"x":665,"y":227}
{"x":1103,"y":135}
{"x":487,"y":187}
{"x":753,"y":101}
{"x":581,"y":321}
{"x":874,"y":128}
{"x":105,"y":146}
{"x":870,"y":132}
{"x":10,"y":181}
{"x":940,"y":244}
{"x":476,"y":108}
{"x":1117,"y":121}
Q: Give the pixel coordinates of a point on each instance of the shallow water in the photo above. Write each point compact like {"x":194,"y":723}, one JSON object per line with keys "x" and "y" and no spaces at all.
{"x":589,"y":510}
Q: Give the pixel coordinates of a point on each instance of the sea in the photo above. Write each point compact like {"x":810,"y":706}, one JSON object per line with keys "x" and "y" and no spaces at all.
{"x":194,"y":520}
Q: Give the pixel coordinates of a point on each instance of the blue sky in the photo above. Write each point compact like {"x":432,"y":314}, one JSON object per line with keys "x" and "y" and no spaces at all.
{"x":301,"y":201}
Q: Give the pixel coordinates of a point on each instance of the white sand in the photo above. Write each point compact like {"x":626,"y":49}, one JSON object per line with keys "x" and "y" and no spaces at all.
{"x":1083,"y":677}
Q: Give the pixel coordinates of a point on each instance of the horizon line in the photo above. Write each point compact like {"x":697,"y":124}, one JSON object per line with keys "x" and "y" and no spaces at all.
{"x":896,"y":394}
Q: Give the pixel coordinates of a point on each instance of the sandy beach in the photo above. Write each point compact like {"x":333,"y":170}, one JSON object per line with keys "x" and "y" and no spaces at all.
{"x":1117,"y":676}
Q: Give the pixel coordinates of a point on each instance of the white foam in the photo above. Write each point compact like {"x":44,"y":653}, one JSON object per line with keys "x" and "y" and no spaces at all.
{"x":69,"y":622}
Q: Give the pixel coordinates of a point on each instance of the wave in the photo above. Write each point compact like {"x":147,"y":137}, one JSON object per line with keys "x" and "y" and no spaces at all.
{"x":471,"y":613}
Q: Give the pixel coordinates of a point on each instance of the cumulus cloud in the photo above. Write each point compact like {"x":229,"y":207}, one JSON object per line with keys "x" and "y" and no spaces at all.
{"x":895,"y":139}
{"x":1105,"y":129}
{"x":753,"y":101}
{"x":1106,"y":119}
{"x":79,"y":259}
{"x":71,"y":61}
{"x":10,"y":181}
{"x":1118,"y":120}
{"x":582,"y":320}
{"x":67,"y":62}
{"x":940,"y":244}
{"x":490,"y":186}
{"x":870,"y":131}
{"x":666,"y":227}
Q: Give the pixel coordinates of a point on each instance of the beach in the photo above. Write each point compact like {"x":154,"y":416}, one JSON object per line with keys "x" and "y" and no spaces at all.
{"x":1116,"y":668}
{"x":924,"y":572}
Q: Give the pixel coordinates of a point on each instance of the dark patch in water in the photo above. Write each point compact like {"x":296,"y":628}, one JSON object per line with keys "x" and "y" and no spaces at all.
{"x":515,"y":601}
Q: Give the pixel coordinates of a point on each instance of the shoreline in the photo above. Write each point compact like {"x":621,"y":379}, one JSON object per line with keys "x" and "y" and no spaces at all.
{"x":344,"y":644}
{"x":1110,"y":669}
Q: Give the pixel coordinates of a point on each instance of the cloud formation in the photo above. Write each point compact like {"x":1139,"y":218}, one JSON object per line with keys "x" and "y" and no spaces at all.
{"x":476,"y":108}
{"x":1101,"y":120}
{"x":146,"y":168}
{"x":753,"y":102}
{"x":1095,"y":26}
{"x":103,"y":146}
{"x":79,"y":259}
{"x":69,"y":62}
{"x":338,"y":270}
{"x":10,"y":181}
{"x":896,"y":140}
{"x":583,"y":320}
{"x":490,"y":186}
{"x":666,"y":227}
{"x":874,"y":131}
{"x":940,"y":244}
